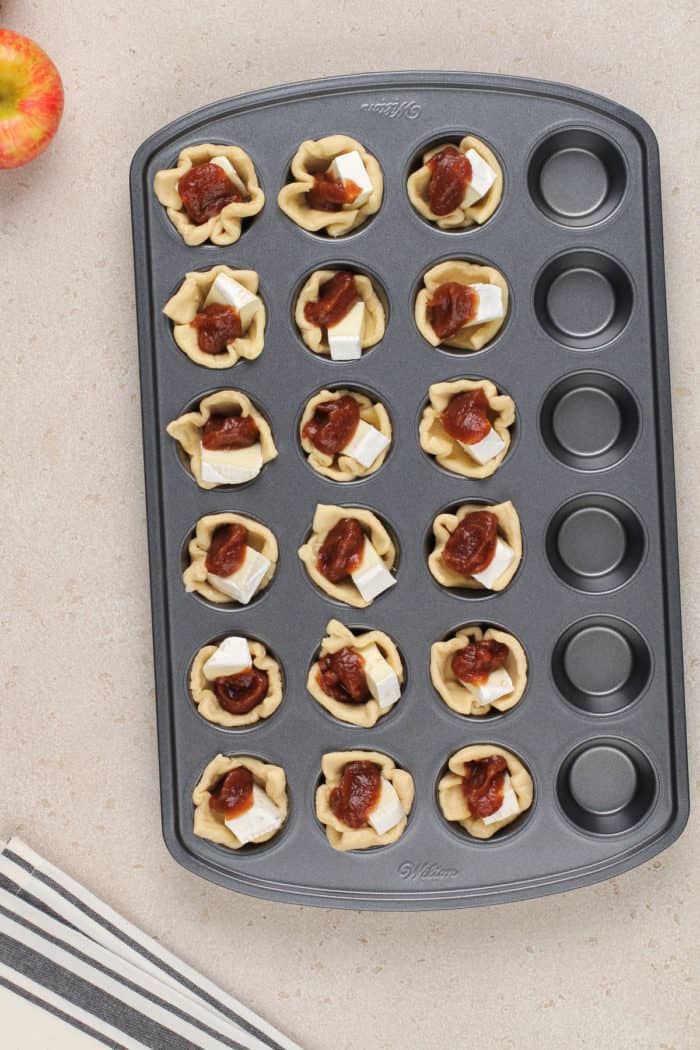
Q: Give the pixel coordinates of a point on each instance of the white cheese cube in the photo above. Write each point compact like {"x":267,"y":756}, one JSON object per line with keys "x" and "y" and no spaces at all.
{"x":489,"y":305}
{"x":371,"y":577}
{"x":244,"y":582}
{"x":502,"y":558}
{"x":498,"y":684}
{"x":508,"y":808}
{"x":484,"y":450}
{"x":366,"y":444}
{"x":231,"y":466}
{"x":228,"y":292}
{"x":348,"y":167}
{"x":345,"y":337}
{"x":382,"y":680}
{"x":231,"y":657}
{"x":388,"y":810}
{"x":260,"y":819}
{"x":227,"y":167}
{"x":482,"y":178}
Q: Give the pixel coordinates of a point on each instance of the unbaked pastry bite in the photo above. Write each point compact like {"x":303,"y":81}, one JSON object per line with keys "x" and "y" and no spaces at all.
{"x":227,"y":440}
{"x":461,"y":304}
{"x":486,"y":789}
{"x":466,"y":426}
{"x":479,"y":547}
{"x":240,"y":800}
{"x":218,"y":316}
{"x":235,"y":683}
{"x":339,"y":314}
{"x":457,"y":186}
{"x":210,"y":192}
{"x":345,"y":434}
{"x":337,"y":186}
{"x":349,"y":554}
{"x":232,"y":557}
{"x":364,"y":800}
{"x":476,"y":671}
{"x":357,"y":677}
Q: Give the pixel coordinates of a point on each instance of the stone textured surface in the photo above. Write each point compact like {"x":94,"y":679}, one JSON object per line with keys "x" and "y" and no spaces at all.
{"x":613,"y":965}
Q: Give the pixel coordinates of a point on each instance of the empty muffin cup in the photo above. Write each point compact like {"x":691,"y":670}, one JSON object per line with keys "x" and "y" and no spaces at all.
{"x":601,"y":664}
{"x":577,"y":177}
{"x":606,"y":786}
{"x":583,"y":299}
{"x":589,"y":420}
{"x":595,"y":543}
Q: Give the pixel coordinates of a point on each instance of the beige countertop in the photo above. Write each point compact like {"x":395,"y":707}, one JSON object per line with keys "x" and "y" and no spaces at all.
{"x":614,"y":965}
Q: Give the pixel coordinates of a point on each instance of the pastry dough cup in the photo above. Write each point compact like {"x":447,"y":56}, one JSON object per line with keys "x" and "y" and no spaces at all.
{"x":187,"y":429}
{"x":451,"y":797}
{"x":340,"y":836}
{"x":195,"y":575}
{"x":314,"y":157}
{"x":338,"y":637}
{"x":448,"y":452}
{"x":473,"y":337}
{"x":209,"y":824}
{"x":342,"y":467}
{"x":459,"y":218}
{"x":189,"y":300}
{"x":224,"y":228}
{"x":206,"y":700}
{"x":325,"y":517}
{"x":455,"y":693}
{"x":508,"y":529}
{"x":315,"y":337}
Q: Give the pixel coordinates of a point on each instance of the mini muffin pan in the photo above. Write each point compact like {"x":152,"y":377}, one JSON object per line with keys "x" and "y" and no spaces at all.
{"x":595,"y":602}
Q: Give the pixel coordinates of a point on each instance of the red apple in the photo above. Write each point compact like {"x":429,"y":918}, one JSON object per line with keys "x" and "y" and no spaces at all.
{"x":31,"y":99}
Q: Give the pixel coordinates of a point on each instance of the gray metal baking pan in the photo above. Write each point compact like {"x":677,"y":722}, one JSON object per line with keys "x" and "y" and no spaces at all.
{"x":595,"y":602}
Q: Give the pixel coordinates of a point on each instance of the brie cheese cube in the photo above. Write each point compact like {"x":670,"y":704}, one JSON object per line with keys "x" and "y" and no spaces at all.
{"x":484,"y":450}
{"x":244,"y":582}
{"x":482,"y":178}
{"x":371,"y":577}
{"x":498,"y":684}
{"x":349,"y":167}
{"x":502,"y":558}
{"x":259,"y":819}
{"x":228,"y":292}
{"x":366,"y":444}
{"x":508,"y":808}
{"x":231,"y":657}
{"x":388,"y":811}
{"x":345,"y":337}
{"x":227,"y":167}
{"x":231,"y":466}
{"x":382,"y":680}
{"x":489,"y":305}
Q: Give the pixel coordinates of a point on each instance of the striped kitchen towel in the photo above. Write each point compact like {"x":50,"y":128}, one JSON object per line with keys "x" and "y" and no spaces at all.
{"x":74,"y":974}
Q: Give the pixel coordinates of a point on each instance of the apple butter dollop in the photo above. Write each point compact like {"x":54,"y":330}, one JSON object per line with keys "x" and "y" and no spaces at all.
{"x":450,"y":174}
{"x":233,"y":795}
{"x":483,"y":783}
{"x":341,"y":675}
{"x":206,"y":189}
{"x":227,"y":432}
{"x":336,"y":299}
{"x":472,"y":545}
{"x":227,"y":549}
{"x":217,"y":325}
{"x":240,"y":693}
{"x":333,"y":424}
{"x":451,"y":306}
{"x":466,"y":418}
{"x":478,"y":660}
{"x":357,"y":794}
{"x":341,"y":551}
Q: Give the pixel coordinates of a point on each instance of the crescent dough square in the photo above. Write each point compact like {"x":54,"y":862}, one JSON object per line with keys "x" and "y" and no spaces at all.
{"x":209,"y":824}
{"x":342,"y":467}
{"x":340,"y":836}
{"x":326,"y":516}
{"x":187,"y":429}
{"x":189,"y":300}
{"x":460,"y":218}
{"x":373,"y":323}
{"x":508,"y":529}
{"x":448,"y":452}
{"x":455,"y":693}
{"x":224,"y":228}
{"x":207,"y":702}
{"x":475,"y":336}
{"x":451,"y":797}
{"x":338,"y":637}
{"x":314,"y":157}
{"x":195,"y":575}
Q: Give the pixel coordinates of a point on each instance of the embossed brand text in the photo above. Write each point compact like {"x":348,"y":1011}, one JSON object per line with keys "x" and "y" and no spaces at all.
{"x":409,"y":869}
{"x":393,"y":108}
